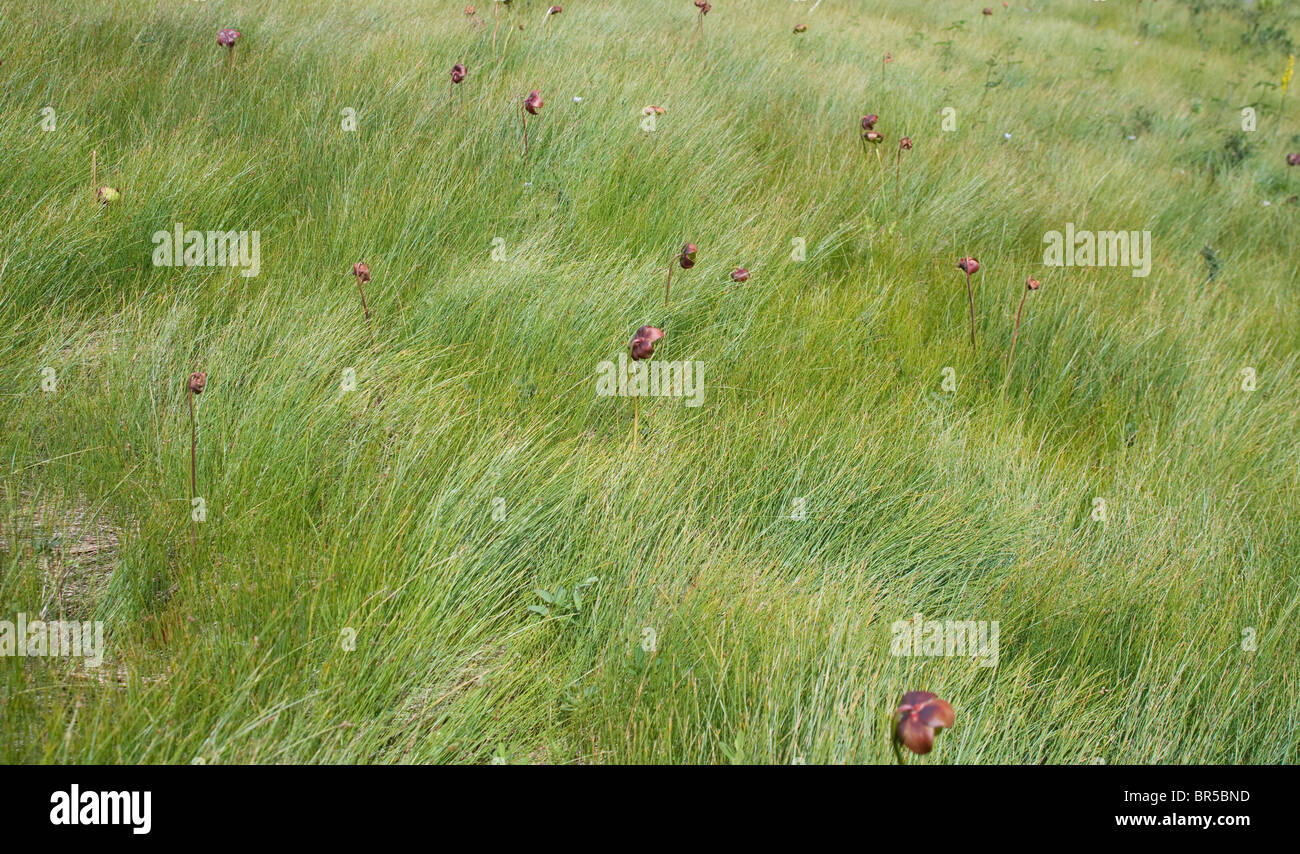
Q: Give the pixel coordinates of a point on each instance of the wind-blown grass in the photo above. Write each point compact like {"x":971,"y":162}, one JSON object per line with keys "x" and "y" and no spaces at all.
{"x":372,"y":511}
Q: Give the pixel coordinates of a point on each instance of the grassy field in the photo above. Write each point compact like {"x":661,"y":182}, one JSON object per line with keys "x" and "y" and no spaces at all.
{"x":365,"y":586}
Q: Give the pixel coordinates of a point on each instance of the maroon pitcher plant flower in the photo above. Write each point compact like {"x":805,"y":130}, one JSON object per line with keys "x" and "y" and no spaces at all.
{"x":227,"y":39}
{"x":362,"y":272}
{"x":970,"y":267}
{"x":740,"y":274}
{"x":875,"y":138}
{"x":917,"y":717}
{"x":458,"y":73}
{"x":704,"y":8}
{"x":1031,"y":285}
{"x":642,"y":347}
{"x":531,"y":105}
{"x":686,"y":258}
{"x":643,"y":342}
{"x":904,"y":144}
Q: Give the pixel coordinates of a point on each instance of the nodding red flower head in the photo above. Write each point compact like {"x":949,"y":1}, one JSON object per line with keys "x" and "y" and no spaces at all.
{"x":642,"y":344}
{"x":869,"y":121}
{"x":740,"y":274}
{"x":1032,"y":284}
{"x":874,"y":137}
{"x":469,"y":10}
{"x":533,"y":102}
{"x":457,"y":73}
{"x":554,"y":10}
{"x":968,"y":265}
{"x":702,"y":6}
{"x":917,"y":717}
{"x":652,"y":109}
{"x":198,"y":381}
{"x":227,"y":38}
{"x":687,"y":258}
{"x":905,"y":143}
{"x":889,"y":57}
{"x":988,"y":10}
{"x":801,"y":28}
{"x":1293,"y":159}
{"x":362,"y":271}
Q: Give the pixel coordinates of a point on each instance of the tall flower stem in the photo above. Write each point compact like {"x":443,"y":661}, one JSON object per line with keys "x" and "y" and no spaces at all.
{"x":94,"y":173}
{"x":364,"y":306}
{"x":1014,"y":333}
{"x":194,"y":487}
{"x":669,"y":286}
{"x":970,"y":297}
{"x":524,"y":114}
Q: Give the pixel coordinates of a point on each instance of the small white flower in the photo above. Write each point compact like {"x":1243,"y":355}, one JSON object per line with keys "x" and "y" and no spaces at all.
{"x":577,"y":99}
{"x":1006,"y":136}
{"x":1267,"y":203}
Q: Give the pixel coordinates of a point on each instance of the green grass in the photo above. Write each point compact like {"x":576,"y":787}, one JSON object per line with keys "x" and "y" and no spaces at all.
{"x":1120,"y":640}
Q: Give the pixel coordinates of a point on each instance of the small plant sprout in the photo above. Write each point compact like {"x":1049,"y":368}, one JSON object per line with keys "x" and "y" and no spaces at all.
{"x":457,"y":75}
{"x":361,"y":271}
{"x":642,"y":347}
{"x":970,"y":267}
{"x":532,"y":103}
{"x":686,"y":258}
{"x":227,"y":39}
{"x":103,"y":195}
{"x":1031,"y":285}
{"x":917,"y":717}
{"x":740,"y":274}
{"x":195,"y":385}
{"x":904,"y":144}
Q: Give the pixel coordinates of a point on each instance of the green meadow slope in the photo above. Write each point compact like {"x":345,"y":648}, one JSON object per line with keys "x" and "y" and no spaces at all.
{"x":365,"y":587}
